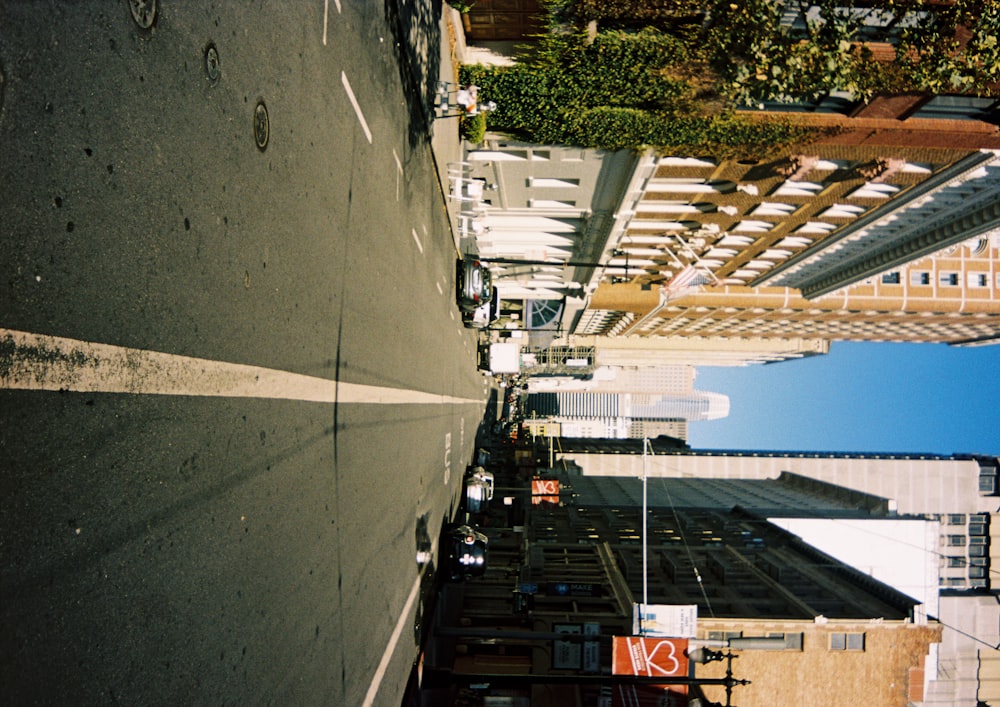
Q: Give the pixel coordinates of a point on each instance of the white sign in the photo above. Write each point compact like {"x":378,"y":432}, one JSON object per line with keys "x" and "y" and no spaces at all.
{"x":566,"y":655}
{"x":592,"y":649}
{"x":666,"y":620}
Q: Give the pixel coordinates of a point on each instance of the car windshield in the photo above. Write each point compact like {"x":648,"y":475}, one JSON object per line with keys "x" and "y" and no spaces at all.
{"x":487,"y":283}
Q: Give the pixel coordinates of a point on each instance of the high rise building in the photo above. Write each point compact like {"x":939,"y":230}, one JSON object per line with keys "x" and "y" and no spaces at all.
{"x":954,"y":498}
{"x":809,"y":628}
{"x":614,"y":415}
{"x":882,"y":228}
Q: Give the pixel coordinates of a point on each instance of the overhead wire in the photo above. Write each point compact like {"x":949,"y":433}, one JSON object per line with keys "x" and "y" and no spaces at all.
{"x":687,"y":547}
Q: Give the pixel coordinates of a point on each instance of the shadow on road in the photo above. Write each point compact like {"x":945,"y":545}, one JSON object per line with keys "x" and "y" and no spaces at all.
{"x":416,"y":27}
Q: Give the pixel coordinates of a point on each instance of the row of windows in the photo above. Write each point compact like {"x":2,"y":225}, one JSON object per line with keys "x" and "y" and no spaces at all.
{"x":945,"y":279}
{"x":962,"y":540}
{"x":836,"y":641}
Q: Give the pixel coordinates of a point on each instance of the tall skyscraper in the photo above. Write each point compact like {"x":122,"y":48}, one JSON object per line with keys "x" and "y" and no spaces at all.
{"x":614,"y":415}
{"x":944,"y":506}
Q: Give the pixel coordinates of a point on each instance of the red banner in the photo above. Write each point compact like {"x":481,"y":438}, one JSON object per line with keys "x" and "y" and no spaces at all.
{"x":653,"y":657}
{"x":650,"y":657}
{"x":545,"y":491}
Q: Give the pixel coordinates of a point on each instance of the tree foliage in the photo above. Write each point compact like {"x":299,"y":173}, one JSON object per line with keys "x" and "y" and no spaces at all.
{"x":667,"y":73}
{"x":938,"y":48}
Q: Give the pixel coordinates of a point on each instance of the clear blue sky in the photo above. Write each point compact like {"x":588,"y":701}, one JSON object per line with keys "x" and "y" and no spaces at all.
{"x":861,"y":397}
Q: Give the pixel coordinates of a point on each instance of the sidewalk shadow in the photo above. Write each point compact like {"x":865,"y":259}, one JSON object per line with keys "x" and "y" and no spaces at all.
{"x":416,"y":27}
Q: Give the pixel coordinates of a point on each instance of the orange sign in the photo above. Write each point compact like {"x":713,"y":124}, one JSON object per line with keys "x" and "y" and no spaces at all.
{"x":545,"y":491}
{"x":652,"y":657}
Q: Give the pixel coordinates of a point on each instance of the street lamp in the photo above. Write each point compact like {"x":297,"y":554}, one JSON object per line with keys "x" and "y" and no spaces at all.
{"x":521,"y":680}
{"x":706,"y":655}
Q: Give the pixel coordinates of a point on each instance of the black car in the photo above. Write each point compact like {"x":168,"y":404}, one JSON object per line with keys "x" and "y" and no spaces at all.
{"x":467,"y":548}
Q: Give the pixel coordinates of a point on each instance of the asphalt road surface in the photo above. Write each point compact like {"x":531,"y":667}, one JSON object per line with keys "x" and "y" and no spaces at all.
{"x":235,"y":392}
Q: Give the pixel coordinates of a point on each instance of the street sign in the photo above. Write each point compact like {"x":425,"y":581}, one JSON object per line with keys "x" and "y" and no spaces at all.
{"x":544,"y":491}
{"x":592,"y":649}
{"x":567,"y":655}
{"x":669,"y":620}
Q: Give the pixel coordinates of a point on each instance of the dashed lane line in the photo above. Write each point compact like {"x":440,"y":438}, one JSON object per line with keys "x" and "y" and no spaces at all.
{"x":383,"y":665}
{"x":357,"y":108}
{"x":326,"y":12}
{"x":41,"y":362}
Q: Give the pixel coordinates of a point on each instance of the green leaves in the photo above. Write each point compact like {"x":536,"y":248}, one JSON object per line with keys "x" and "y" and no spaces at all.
{"x":674,"y":85}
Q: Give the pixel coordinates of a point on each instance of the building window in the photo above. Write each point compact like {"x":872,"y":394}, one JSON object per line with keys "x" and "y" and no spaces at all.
{"x":890,"y":278}
{"x":818,"y":227}
{"x":847,"y":641}
{"x":873,"y":191}
{"x":753,"y":226}
{"x":843,"y":211}
{"x":793,"y":641}
{"x":772,"y":208}
{"x":956,"y":561}
{"x":550,"y":204}
{"x":956,"y":519}
{"x":978,"y":279}
{"x":553,"y":183}
{"x":919,"y":277}
{"x":956,"y":541}
{"x":724,"y":635}
{"x":960,"y":108}
{"x":949,"y":279}
{"x":790,"y":188}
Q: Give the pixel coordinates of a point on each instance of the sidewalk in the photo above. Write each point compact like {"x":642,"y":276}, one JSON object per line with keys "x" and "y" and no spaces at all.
{"x":446,"y":145}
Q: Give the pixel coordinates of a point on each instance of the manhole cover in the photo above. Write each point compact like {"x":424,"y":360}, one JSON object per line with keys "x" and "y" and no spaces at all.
{"x":261,"y":126}
{"x":143,"y":12}
{"x":212,"y":67}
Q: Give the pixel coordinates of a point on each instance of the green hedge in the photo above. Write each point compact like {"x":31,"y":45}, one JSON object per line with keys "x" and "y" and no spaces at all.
{"x":473,"y":128}
{"x":538,"y":104}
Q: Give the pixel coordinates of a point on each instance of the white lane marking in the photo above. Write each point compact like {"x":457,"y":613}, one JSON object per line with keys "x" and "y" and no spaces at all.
{"x":447,"y":457}
{"x":399,"y":171}
{"x":440,"y":289}
{"x":391,"y":647}
{"x":357,"y":108}
{"x":40,"y":362}
{"x":417,"y":239}
{"x":326,"y":12}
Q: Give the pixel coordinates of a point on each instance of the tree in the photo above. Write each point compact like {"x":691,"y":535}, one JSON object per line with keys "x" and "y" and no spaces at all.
{"x":765,"y":50}
{"x":674,"y":85}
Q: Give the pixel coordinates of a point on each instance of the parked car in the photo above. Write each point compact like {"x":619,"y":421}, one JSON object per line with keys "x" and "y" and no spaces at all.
{"x":473,"y":285}
{"x":483,"y":315}
{"x":478,"y":489}
{"x":467,"y":548}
